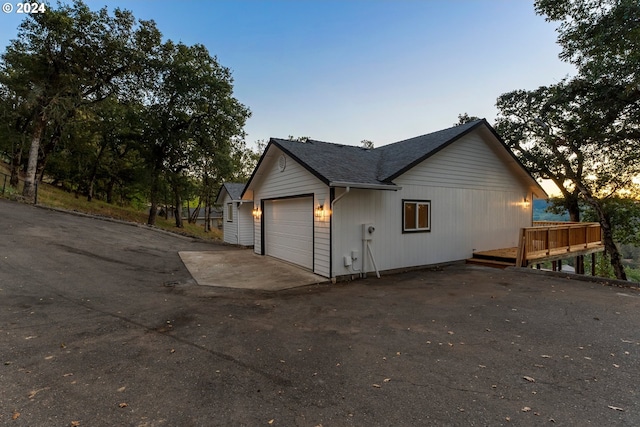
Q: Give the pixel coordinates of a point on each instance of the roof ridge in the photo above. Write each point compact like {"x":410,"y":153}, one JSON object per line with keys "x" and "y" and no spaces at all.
{"x":462,"y":127}
{"x":324,"y":142}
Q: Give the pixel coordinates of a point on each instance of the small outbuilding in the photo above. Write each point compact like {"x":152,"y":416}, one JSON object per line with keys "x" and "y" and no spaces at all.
{"x":340,"y":210}
{"x":236,"y":214}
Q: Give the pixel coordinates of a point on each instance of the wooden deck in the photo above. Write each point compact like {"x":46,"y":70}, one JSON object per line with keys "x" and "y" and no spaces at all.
{"x":545,"y":242}
{"x":499,"y":258}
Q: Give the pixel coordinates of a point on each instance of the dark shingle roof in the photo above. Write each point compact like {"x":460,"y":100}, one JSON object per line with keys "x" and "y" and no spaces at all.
{"x":345,"y":163}
{"x":334,"y":162}
{"x":234,"y":189}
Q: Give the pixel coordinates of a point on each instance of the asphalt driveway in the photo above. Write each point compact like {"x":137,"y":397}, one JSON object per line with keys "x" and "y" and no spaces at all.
{"x":101,"y":324}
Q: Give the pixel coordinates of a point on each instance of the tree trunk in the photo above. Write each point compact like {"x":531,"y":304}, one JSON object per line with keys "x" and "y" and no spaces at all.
{"x":29,"y":191}
{"x":18,"y":151}
{"x":570,"y":201}
{"x":193,"y":217}
{"x":610,"y":245}
{"x":178,"y":205}
{"x":153,"y":211}
{"x":207,"y":214}
{"x":110,"y":185}
{"x":47,"y":149}
{"x":15,"y":166}
{"x":94,"y":173}
{"x":573,"y":207}
{"x":607,"y":234}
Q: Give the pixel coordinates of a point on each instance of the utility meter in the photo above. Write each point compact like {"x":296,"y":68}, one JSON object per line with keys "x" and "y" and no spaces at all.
{"x":367,"y":231}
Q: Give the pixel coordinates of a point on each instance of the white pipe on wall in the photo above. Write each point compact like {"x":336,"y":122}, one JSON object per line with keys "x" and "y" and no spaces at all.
{"x":373,"y":260}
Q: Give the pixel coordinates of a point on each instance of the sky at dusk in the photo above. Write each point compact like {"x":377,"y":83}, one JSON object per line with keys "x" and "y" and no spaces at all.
{"x":344,"y":71}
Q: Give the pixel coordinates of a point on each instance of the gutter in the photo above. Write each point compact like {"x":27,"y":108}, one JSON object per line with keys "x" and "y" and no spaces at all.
{"x":364,"y":186}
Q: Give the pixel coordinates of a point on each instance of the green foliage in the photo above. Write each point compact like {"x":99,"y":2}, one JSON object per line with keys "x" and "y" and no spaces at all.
{"x":193,"y":122}
{"x":633,"y":274}
{"x":113,"y":112}
{"x":602,"y":38}
{"x":298,"y":138}
{"x":365,"y":143}
{"x":10,"y":192}
{"x":547,"y":210}
{"x":603,"y":266}
{"x":584,"y":132}
{"x":465,"y":118}
{"x":624,"y":216}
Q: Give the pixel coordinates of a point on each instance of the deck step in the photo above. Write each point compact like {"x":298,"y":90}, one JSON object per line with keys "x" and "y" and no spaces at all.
{"x":490,"y":263}
{"x":493,"y":257}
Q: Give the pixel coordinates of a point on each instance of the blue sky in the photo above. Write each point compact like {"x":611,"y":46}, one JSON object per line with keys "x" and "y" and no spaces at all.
{"x":344,"y":71}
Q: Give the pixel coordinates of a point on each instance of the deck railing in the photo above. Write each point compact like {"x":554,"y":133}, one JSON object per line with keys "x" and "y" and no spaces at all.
{"x":547,"y":239}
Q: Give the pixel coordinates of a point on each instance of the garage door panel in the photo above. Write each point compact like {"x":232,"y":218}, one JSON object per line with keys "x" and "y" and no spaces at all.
{"x":289,"y":230}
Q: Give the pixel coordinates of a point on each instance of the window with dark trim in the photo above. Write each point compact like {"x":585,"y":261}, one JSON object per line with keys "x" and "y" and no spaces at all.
{"x":229,"y":212}
{"x":416,"y":216}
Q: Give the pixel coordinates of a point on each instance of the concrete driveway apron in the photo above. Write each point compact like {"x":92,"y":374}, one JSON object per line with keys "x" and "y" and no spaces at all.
{"x":243,"y":269}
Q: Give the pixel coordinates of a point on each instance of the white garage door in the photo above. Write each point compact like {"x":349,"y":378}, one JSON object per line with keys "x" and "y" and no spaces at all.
{"x":288,"y":231}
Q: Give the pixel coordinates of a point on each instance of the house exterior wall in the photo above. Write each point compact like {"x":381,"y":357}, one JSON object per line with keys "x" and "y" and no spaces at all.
{"x":294,"y":180}
{"x":242,"y":222}
{"x":477,"y":203}
{"x":245,"y":218}
{"x":229,"y":228}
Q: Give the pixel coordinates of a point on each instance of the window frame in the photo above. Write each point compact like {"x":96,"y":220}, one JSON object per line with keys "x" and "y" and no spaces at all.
{"x":230,"y":212}
{"x":417,"y":203}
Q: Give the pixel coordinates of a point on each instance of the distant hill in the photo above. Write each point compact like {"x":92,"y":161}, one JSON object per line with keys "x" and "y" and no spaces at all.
{"x":540,"y":213}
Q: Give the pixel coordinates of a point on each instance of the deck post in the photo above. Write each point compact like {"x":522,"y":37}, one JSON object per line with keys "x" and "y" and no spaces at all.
{"x":521,"y":254}
{"x":548,"y":238}
{"x":593,"y":264}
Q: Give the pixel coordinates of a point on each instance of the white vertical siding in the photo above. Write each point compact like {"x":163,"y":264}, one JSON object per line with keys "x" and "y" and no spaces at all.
{"x":295,"y":180}
{"x":242,"y":222}
{"x":257,"y":230}
{"x":476,"y":204}
{"x":470,"y":162}
{"x":245,"y":218}
{"x":229,"y":228}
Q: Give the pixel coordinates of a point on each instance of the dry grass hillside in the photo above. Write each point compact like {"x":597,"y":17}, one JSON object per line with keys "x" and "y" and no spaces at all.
{"x":55,"y":197}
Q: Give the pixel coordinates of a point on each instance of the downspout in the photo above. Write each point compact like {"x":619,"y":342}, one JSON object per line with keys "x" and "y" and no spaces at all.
{"x":333,"y":202}
{"x":238,"y":222}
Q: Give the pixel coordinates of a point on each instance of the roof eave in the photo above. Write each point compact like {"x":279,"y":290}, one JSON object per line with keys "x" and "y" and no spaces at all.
{"x":219,"y":194}
{"x":311,"y":170}
{"x":536,"y":188}
{"x":255,"y":170}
